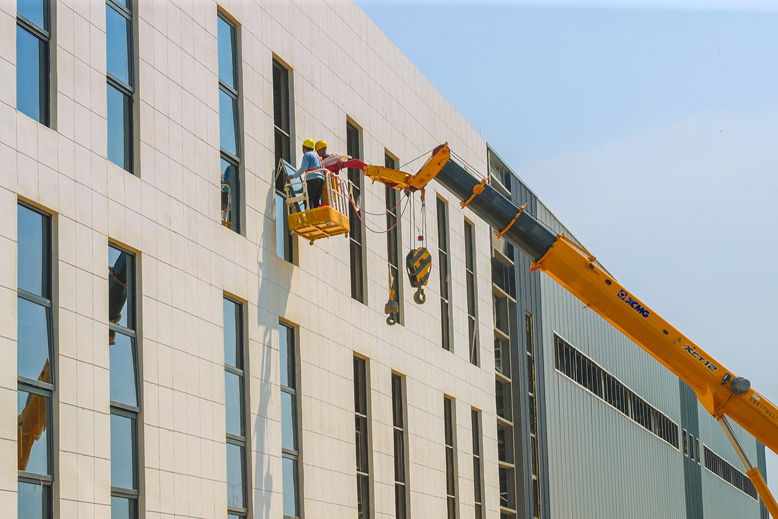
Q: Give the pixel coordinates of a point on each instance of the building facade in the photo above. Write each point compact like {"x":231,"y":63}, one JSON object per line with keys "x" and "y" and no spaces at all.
{"x":179,"y":353}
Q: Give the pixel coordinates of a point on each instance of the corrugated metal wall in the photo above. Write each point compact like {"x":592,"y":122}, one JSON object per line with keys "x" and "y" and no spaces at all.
{"x":598,"y":462}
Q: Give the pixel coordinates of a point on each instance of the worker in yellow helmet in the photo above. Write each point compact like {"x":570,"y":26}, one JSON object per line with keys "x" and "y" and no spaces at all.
{"x":314,"y":178}
{"x":321,"y":149}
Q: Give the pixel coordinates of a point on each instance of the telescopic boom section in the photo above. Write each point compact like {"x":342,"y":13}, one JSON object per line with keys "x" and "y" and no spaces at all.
{"x":720,"y":391}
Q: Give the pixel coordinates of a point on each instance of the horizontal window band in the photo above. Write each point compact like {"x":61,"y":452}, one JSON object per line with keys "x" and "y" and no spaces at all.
{"x":282,"y":131}
{"x":121,"y":9}
{"x":33,"y":28}
{"x":120,"y":85}
{"x":227,"y":89}
{"x":127,"y":411}
{"x":35,"y":479}
{"x":229,"y":157}
{"x":33,"y":298}
{"x":290,"y":454}
{"x":237,"y":510}
{"x":233,"y":370}
{"x":35,"y":386}
{"x":121,"y":329}
{"x":233,"y":439}
{"x":124,"y":492}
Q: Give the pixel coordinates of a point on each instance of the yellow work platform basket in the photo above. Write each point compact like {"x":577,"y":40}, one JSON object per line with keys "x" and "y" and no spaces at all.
{"x":329,"y":219}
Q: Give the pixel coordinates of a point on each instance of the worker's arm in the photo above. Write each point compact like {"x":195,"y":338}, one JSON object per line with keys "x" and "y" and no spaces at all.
{"x":304,"y":166}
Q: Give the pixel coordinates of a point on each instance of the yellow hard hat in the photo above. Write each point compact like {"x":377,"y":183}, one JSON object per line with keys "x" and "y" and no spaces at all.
{"x":308,"y":143}
{"x":320,"y":145}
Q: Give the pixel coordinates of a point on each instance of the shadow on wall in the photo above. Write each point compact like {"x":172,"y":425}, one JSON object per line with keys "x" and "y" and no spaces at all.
{"x":277,"y":289}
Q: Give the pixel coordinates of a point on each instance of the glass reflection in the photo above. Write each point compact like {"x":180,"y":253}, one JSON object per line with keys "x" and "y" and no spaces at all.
{"x":117,"y":29}
{"x":119,"y":131}
{"x":119,"y":294}
{"x":233,"y":393}
{"x":122,"y":452}
{"x":33,"y":254}
{"x":232,"y":350}
{"x":122,"y":508}
{"x":290,"y":488}
{"x":235,"y":475}
{"x":288,"y":422}
{"x":226,"y":59}
{"x":123,"y":384}
{"x":34,"y":11}
{"x":32,"y":335}
{"x":286,"y":350}
{"x":31,"y":66}
{"x":32,"y":436}
{"x":228,"y":116}
{"x":33,"y":500}
{"x":230,"y":191}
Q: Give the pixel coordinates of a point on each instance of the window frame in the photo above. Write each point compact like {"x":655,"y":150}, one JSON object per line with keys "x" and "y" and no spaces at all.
{"x":471,"y":286}
{"x":282,"y":223}
{"x":133,"y":413}
{"x":478,"y":461}
{"x":364,"y":447}
{"x":295,"y":456}
{"x":394,"y":237}
{"x":128,"y":91}
{"x":399,"y":401}
{"x":44,"y":36}
{"x":357,"y":228}
{"x":444,"y":258}
{"x":234,"y":160}
{"x":233,"y":439}
{"x":450,"y":429}
{"x":37,"y":387}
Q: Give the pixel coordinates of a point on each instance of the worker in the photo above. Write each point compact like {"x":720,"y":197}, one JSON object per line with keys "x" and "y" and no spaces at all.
{"x":321,"y":149}
{"x":332,"y":162}
{"x":314,"y":178}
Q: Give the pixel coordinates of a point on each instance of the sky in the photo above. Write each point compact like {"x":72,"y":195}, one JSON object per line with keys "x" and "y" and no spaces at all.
{"x":649,"y":128}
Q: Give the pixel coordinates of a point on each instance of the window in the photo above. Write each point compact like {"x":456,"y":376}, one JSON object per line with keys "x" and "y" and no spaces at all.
{"x":533,"y":414}
{"x":124,"y":381}
{"x":499,"y":171}
{"x":581,"y":369}
{"x":445,"y":308}
{"x":472,"y":322}
{"x":727,"y":472}
{"x":282,"y":124}
{"x":290,"y":437}
{"x":451,"y":474}
{"x":398,"y":423}
{"x":235,"y":408}
{"x":685,"y":443}
{"x":697,"y":444}
{"x":362,"y":438}
{"x":33,"y":35}
{"x":356,"y":234}
{"x":229,"y":123}
{"x":393,"y":244}
{"x":34,"y":363}
{"x":121,"y":82}
{"x":477,"y":464}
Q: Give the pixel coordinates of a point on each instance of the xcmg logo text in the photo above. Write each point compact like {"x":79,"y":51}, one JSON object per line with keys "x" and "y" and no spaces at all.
{"x":624,"y":296}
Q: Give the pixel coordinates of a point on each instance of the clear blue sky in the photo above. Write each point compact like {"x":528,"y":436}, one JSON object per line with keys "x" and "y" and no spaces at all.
{"x":649,"y":128}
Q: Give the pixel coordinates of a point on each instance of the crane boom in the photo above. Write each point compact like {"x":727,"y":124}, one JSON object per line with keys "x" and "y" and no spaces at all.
{"x":721,"y":393}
